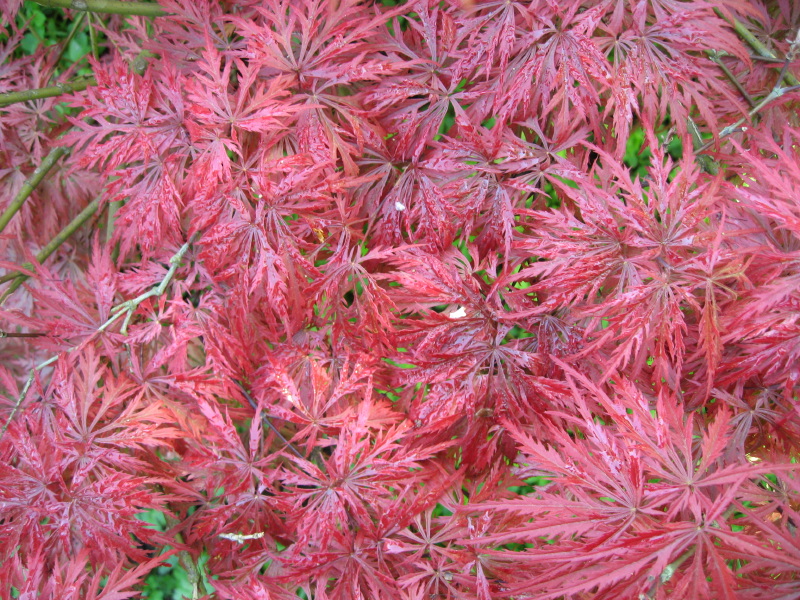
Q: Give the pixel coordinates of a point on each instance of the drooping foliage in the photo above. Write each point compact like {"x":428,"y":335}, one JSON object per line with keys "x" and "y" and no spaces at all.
{"x":403,"y":300}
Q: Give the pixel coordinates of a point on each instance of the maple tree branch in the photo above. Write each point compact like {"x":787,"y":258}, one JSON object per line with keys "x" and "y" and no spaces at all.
{"x":774,"y":94}
{"x":766,"y":59}
{"x":11,"y":334}
{"x":24,"y":392}
{"x":128,"y":307}
{"x":756,"y":45}
{"x":67,"y":232}
{"x":716,"y":58}
{"x":93,"y":35}
{"x":70,"y":36}
{"x":708,"y":164}
{"x":112,"y":7}
{"x":76,"y":85}
{"x":30,"y":184}
{"x":111,"y":223}
{"x":138,"y":65}
{"x":52,"y":246}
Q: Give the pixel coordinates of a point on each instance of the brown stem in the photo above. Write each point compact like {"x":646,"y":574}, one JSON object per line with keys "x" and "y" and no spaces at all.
{"x":9,"y":334}
{"x":266,"y":419}
{"x":30,"y":184}
{"x":766,"y":59}
{"x":113,"y":7}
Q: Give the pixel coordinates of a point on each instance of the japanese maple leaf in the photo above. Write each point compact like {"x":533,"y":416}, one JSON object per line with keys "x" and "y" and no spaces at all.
{"x":315,"y":399}
{"x":153,"y":203}
{"x":493,"y":32}
{"x":420,"y":207}
{"x":427,"y":538}
{"x":255,"y":245}
{"x":221,"y":117}
{"x":241,"y":465}
{"x":69,"y":311}
{"x":350,"y":566}
{"x":103,"y":428}
{"x":346,"y":486}
{"x":475,"y":374}
{"x":559,"y":54}
{"x":45,"y":498}
{"x":649,"y":495}
{"x":422,"y":98}
{"x":70,"y":579}
{"x":321,"y":47}
{"x":653,"y":57}
{"x":349,"y":271}
{"x":499,"y":168}
{"x":8,"y":10}
{"x":128,"y":118}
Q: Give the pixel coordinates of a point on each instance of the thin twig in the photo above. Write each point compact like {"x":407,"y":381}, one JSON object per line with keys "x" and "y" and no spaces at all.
{"x":766,"y":59}
{"x":138,"y":65}
{"x":30,"y":184}
{"x":776,"y":93}
{"x":756,"y":44}
{"x":192,"y":574}
{"x":708,"y":164}
{"x":70,"y":36}
{"x":11,"y":334}
{"x":111,"y":222}
{"x":266,"y":419}
{"x":24,"y":392}
{"x":93,"y":35}
{"x":128,"y":307}
{"x":113,"y":7}
{"x":716,"y":58}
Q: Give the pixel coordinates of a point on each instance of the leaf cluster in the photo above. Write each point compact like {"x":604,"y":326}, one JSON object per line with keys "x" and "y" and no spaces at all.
{"x":404,"y":300}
